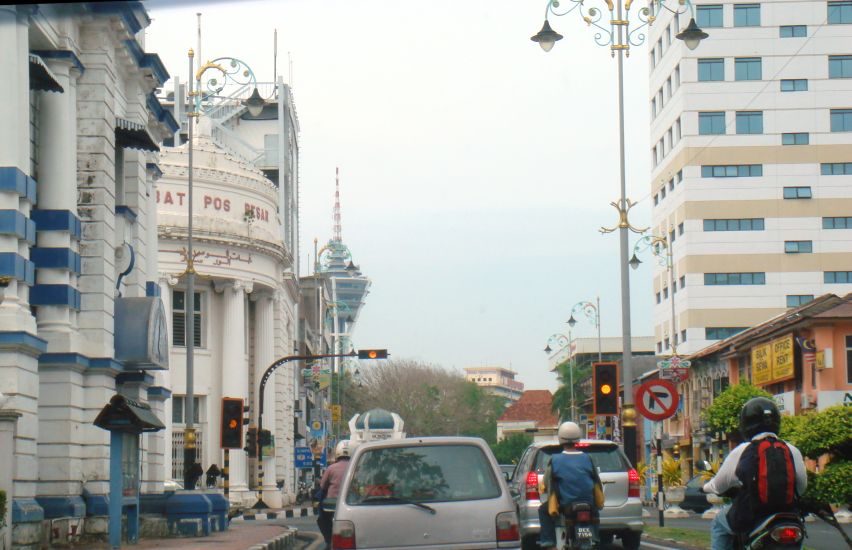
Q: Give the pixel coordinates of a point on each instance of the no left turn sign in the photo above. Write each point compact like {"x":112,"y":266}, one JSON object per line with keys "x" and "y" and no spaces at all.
{"x":657,"y":399}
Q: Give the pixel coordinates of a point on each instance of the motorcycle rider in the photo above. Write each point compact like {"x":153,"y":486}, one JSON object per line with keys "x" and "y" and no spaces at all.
{"x":572,"y":475}
{"x":759,"y":419}
{"x":330,"y":486}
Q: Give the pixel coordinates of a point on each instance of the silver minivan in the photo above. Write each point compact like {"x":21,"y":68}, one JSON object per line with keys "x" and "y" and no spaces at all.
{"x":427,"y":492}
{"x":622,"y":513}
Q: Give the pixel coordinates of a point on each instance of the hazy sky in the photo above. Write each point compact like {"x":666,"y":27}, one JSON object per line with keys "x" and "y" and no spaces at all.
{"x":475,"y":168}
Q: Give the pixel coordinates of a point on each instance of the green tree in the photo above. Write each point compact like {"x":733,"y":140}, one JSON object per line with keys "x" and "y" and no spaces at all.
{"x":819,"y":433}
{"x":724,"y":414}
{"x":509,"y":449}
{"x":430,"y":399}
{"x":562,"y":397}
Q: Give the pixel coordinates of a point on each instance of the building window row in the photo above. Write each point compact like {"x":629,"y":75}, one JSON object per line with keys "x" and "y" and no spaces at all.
{"x":796,"y":300}
{"x":720,"y":333}
{"x":795,"y":138}
{"x":666,"y":143}
{"x":712,"y":69}
{"x":731,"y":170}
{"x":745,"y":224}
{"x":716,"y":279}
{"x":794,"y":85}
{"x":837,"y":277}
{"x":665,"y":93}
{"x":748,"y":15}
{"x":179,"y":319}
{"x":837,"y":222}
{"x":798,"y":247}
{"x":836,"y":168}
{"x":800,"y":192}
{"x":674,"y":180}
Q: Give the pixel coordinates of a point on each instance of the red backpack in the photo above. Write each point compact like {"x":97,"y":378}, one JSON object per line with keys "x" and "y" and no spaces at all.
{"x":768,"y":475}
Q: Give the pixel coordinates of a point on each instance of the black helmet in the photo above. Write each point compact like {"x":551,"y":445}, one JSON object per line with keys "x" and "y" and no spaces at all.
{"x":759,"y":415}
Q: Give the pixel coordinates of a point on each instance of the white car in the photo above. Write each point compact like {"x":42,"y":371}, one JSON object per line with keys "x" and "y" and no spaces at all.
{"x":446,"y":492}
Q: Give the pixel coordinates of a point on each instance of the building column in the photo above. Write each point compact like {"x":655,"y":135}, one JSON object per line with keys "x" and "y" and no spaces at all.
{"x":235,"y":373}
{"x":264,"y":355}
{"x":57,"y":254}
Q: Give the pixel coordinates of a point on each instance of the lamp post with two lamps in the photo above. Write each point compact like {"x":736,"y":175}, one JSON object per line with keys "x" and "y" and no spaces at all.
{"x":254,"y":104}
{"x":655,"y":243}
{"x":565,"y":342}
{"x":593,"y":313}
{"x":619,"y":37}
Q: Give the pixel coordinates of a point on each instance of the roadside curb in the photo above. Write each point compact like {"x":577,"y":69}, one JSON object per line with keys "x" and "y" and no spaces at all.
{"x":283,"y":541}
{"x":251,"y":515}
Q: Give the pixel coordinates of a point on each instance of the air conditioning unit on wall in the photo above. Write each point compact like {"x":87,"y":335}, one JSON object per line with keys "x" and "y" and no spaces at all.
{"x":807,"y":401}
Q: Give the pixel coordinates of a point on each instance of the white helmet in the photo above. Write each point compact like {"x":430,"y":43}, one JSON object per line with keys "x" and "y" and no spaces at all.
{"x":344,"y":448}
{"x":569,"y":432}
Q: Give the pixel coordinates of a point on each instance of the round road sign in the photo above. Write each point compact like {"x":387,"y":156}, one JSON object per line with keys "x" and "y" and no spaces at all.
{"x":657,"y":399}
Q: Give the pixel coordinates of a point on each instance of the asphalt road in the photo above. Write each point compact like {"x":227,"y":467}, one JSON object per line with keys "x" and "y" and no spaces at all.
{"x":310,"y":524}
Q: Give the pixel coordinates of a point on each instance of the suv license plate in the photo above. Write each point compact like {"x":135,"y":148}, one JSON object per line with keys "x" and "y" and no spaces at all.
{"x":584,"y":532}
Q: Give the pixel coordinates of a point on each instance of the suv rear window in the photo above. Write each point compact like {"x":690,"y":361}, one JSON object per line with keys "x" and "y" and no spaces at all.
{"x":422,"y":473}
{"x":606,"y":458}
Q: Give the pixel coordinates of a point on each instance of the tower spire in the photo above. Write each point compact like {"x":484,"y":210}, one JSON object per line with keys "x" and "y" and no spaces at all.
{"x":336,"y":229}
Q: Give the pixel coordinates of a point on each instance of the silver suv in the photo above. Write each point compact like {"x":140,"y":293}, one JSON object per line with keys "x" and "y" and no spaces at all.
{"x":622,"y":512}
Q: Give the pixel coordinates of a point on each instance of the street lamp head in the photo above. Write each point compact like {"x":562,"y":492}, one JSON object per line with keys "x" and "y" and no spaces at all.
{"x":635,"y":261}
{"x":692,"y":35}
{"x":254,"y":103}
{"x":546,"y":37}
{"x":572,"y":321}
{"x":547,"y":349}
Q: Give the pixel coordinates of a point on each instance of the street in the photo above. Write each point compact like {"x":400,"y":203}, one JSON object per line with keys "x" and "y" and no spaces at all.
{"x":820,"y":535}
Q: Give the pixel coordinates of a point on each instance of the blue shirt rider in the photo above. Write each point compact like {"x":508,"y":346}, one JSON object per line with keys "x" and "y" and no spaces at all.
{"x":572,"y":475}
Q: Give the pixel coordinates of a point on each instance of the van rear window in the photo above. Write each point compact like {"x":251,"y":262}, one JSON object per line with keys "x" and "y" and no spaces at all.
{"x":422,"y":473}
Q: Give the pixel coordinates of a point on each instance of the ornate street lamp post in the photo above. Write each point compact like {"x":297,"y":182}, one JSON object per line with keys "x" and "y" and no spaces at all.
{"x":656,"y":243}
{"x":565,"y":341}
{"x":593,"y":314}
{"x":619,"y":37}
{"x":232,"y":71}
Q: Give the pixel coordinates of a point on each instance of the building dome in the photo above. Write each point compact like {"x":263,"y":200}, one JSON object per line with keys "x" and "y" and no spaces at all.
{"x":375,"y":419}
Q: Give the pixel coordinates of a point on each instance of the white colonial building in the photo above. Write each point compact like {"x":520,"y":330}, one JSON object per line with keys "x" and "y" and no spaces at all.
{"x":246,"y":298}
{"x":78,"y":265}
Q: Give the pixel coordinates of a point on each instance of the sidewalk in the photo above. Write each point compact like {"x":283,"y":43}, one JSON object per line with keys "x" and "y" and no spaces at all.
{"x":239,"y":536}
{"x":296,"y":511}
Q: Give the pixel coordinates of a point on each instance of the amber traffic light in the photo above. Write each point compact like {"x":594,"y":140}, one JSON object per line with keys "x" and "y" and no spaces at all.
{"x":605,"y":383}
{"x":372,"y":354}
{"x":232,"y":423}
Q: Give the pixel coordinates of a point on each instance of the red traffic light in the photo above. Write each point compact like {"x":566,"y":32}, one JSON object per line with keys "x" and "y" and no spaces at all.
{"x":372,"y":354}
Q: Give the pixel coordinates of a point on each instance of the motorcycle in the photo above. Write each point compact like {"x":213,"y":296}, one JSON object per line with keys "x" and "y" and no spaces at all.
{"x":304,"y":493}
{"x":778,"y":531}
{"x":578,"y":532}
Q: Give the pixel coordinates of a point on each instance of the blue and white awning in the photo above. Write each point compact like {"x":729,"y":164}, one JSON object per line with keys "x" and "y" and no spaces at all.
{"x":41,"y":78}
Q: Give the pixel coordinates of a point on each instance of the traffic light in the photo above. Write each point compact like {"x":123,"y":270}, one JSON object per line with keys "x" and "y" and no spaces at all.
{"x":232,"y":423}
{"x":372,"y":354}
{"x":251,"y":442}
{"x":605,"y":384}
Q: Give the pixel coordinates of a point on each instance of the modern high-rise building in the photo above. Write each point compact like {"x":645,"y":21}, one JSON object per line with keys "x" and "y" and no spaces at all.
{"x":751,"y":144}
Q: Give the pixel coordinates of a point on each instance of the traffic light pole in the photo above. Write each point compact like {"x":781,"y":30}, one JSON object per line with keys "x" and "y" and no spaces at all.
{"x":259,"y":505}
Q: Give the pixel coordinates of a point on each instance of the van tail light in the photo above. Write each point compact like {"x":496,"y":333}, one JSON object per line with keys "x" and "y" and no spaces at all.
{"x":584,"y":516}
{"x":507,"y":527}
{"x":786,"y":534}
{"x":532,"y":486}
{"x":633,"y":483}
{"x":343,"y":535}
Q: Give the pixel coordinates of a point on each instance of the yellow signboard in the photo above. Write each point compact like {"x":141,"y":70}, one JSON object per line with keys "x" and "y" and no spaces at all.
{"x":761,"y":365}
{"x":783,"y":358}
{"x":820,"y":359}
{"x":335,"y":413}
